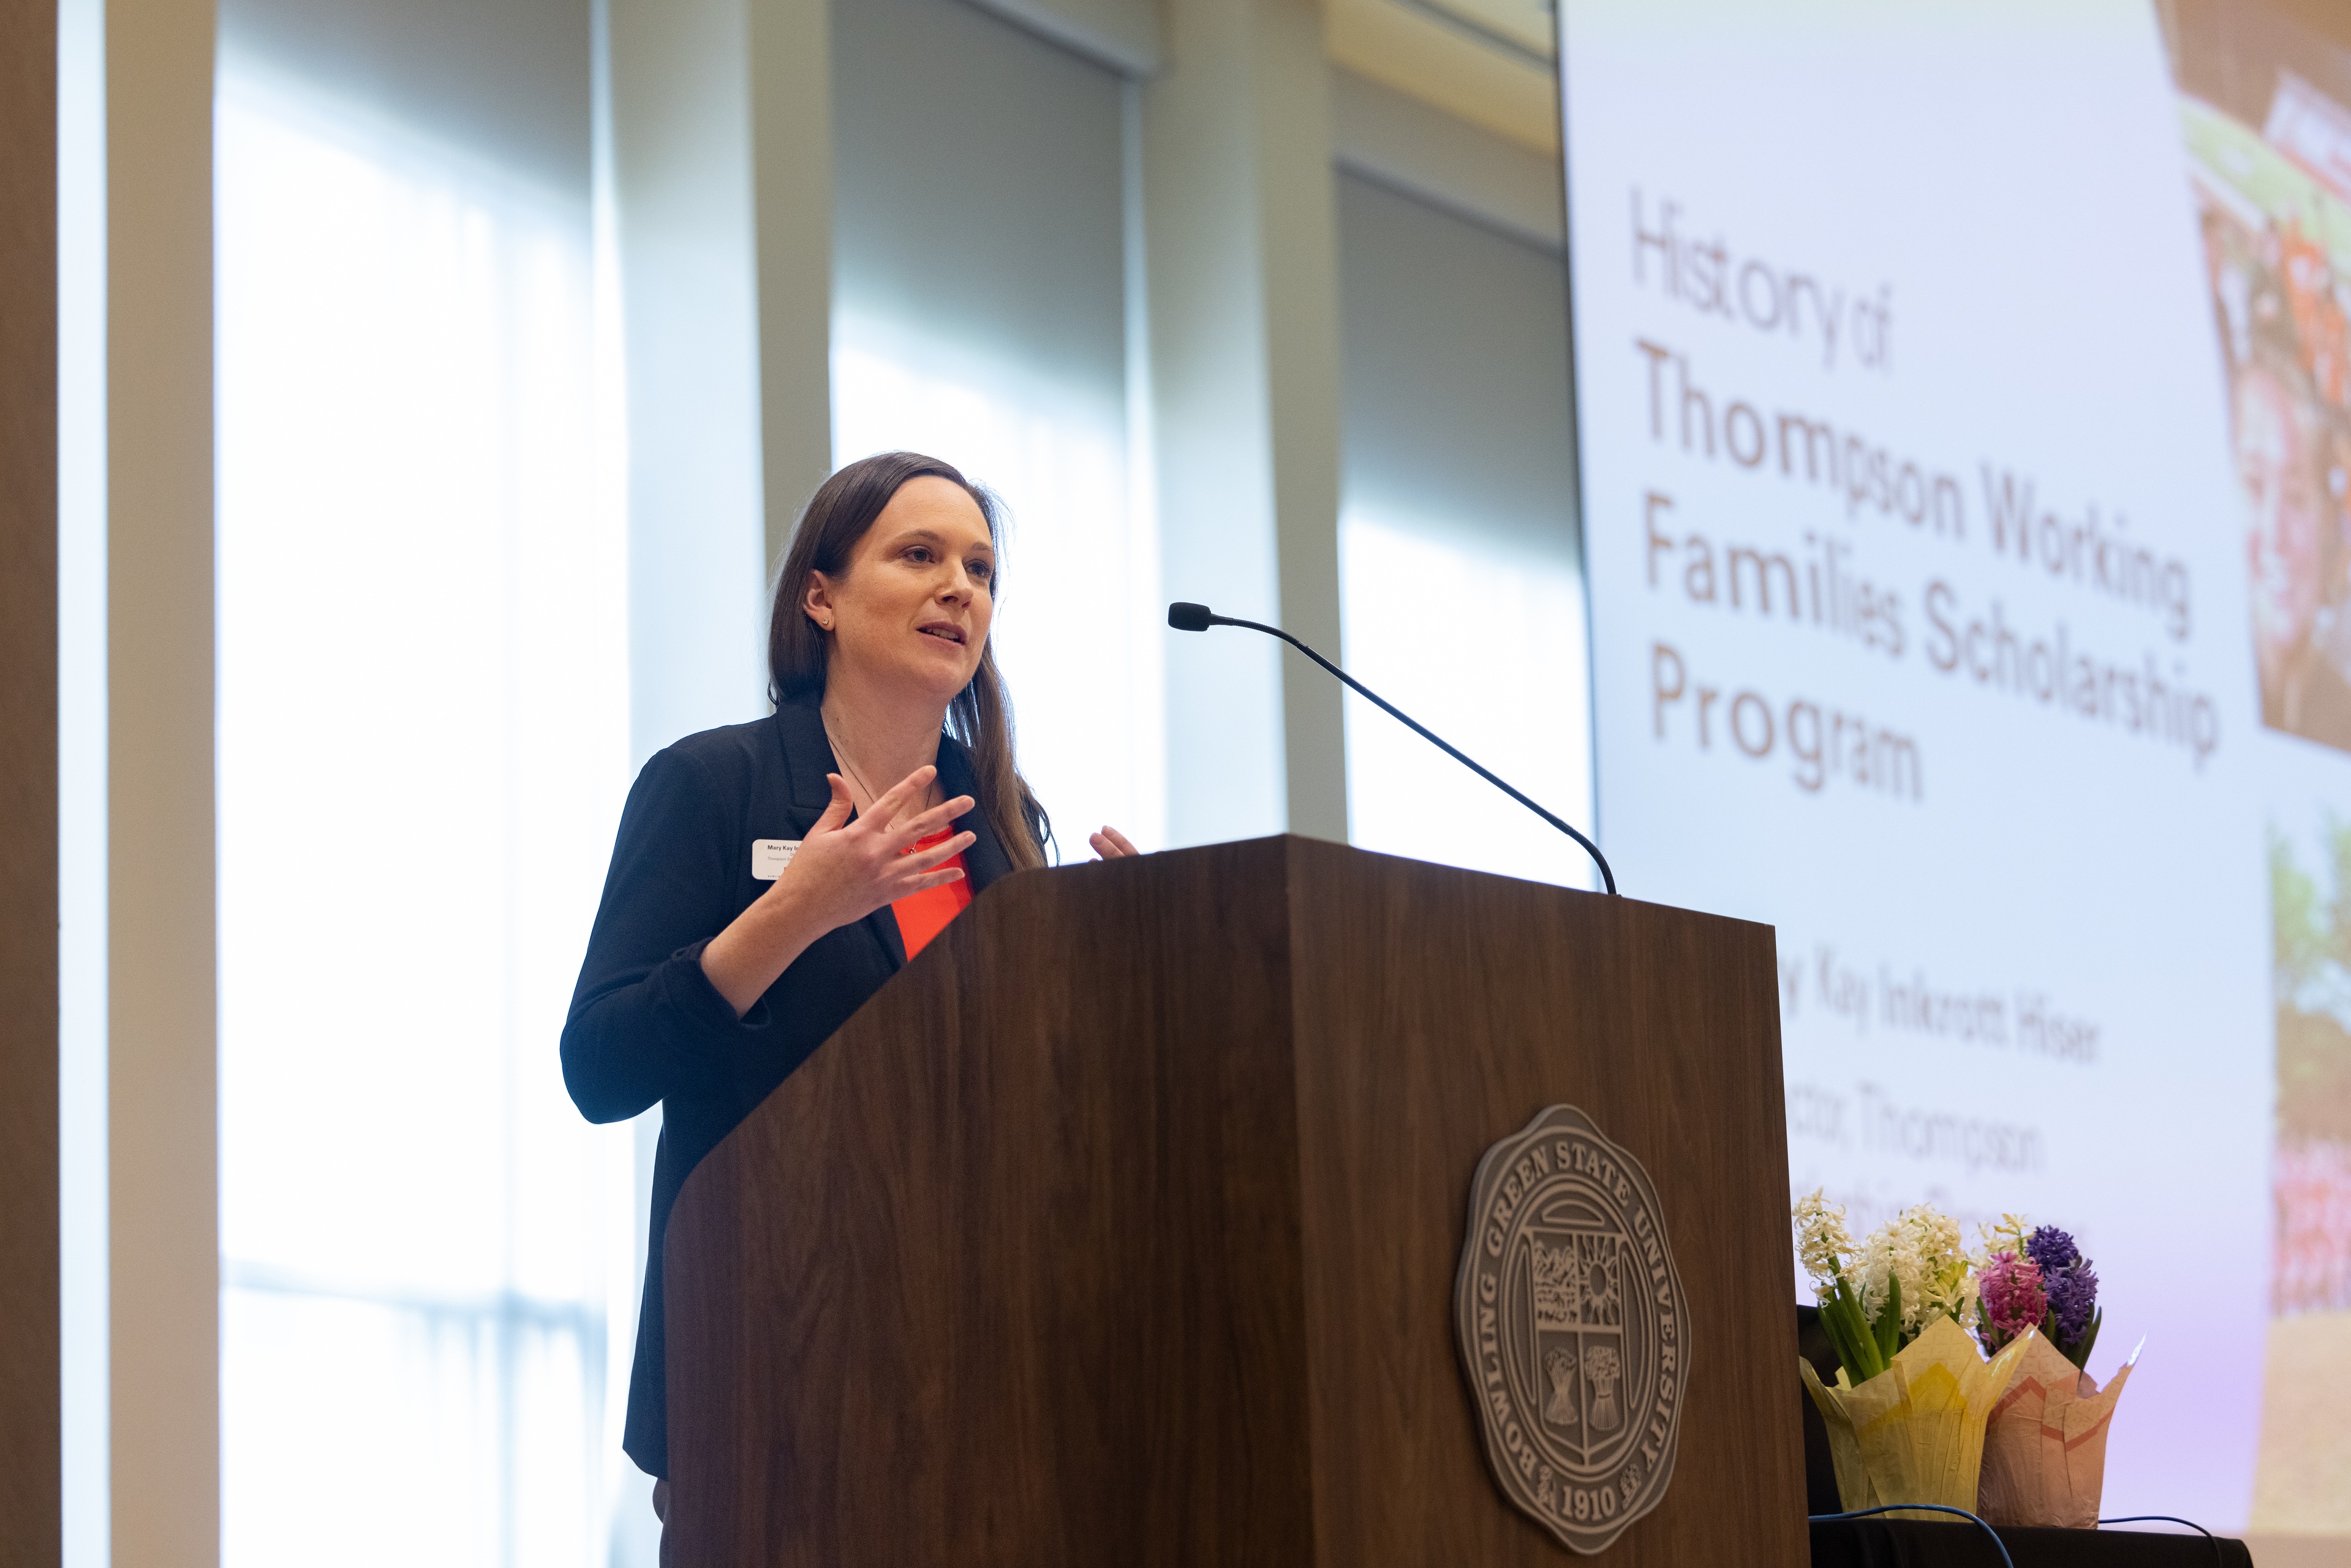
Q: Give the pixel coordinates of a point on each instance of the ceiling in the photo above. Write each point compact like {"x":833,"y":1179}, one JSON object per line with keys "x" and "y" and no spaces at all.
{"x":1488,"y":62}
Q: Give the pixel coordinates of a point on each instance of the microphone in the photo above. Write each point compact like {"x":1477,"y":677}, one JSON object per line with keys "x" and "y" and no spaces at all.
{"x":1187,"y":617}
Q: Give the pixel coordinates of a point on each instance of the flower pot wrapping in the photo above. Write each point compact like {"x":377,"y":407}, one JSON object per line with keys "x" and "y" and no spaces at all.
{"x":1915,"y":1432}
{"x":2044,"y":1458}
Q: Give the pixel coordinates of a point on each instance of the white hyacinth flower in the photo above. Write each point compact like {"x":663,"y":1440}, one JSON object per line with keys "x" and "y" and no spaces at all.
{"x":1920,"y":1250}
{"x":1822,"y":1242}
{"x":2008,"y":1236}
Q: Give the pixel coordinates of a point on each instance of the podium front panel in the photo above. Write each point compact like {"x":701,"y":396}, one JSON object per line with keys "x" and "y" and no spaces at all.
{"x":1121,"y":1226}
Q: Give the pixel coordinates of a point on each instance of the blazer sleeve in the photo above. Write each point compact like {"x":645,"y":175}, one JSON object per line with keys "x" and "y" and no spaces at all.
{"x":645,"y":1022}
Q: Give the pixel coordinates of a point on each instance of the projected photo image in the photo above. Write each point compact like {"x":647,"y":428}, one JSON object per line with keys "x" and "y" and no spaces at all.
{"x":2313,"y":927}
{"x":2303,"y":1446}
{"x":2265,"y":109}
{"x":2269,"y":158}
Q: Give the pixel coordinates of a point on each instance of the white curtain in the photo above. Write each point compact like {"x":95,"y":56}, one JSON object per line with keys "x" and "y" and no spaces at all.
{"x":426,"y":1254}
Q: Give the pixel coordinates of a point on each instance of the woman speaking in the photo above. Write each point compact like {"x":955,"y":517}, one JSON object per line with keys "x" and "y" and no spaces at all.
{"x":769,"y":877}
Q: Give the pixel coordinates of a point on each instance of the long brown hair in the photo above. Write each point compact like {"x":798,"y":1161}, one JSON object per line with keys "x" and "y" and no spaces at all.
{"x":980,"y":717}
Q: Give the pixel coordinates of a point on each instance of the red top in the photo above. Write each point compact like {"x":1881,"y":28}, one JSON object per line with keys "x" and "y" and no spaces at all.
{"x":923,"y":916}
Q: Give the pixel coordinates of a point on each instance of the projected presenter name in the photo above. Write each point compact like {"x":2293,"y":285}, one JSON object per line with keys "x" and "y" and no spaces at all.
{"x":1896,"y":999}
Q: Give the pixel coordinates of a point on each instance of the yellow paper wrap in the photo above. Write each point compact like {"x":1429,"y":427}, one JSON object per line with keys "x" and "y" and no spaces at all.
{"x":1915,"y":1432}
{"x":2044,"y":1460}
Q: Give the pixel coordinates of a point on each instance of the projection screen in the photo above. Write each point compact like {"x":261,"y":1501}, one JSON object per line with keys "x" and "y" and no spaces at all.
{"x":1964,"y":425}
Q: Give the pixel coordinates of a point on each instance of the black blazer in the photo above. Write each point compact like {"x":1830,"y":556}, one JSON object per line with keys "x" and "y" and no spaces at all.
{"x":646,"y":1024}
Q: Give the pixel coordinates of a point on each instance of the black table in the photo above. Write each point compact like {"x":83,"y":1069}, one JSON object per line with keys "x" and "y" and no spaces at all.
{"x":1917,"y":1544}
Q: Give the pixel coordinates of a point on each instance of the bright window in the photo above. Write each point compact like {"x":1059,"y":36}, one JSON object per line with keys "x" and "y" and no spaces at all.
{"x":1443,"y":623}
{"x":423,"y":746}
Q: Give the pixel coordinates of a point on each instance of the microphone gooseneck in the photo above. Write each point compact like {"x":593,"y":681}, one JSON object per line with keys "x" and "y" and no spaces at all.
{"x":1188,"y":617}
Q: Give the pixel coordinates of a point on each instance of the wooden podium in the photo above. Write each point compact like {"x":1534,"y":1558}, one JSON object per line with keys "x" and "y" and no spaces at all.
{"x":1123,"y":1226}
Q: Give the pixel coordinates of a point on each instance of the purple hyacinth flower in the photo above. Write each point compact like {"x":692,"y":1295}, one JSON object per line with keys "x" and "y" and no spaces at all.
{"x":2073,"y":1296}
{"x":2052,"y":1249}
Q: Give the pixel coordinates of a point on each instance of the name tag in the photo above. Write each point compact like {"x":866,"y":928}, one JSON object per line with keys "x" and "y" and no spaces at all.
{"x":770,"y":856}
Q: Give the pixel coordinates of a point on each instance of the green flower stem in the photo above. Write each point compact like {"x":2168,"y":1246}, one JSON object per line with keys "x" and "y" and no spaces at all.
{"x":2078,"y":1351}
{"x":1849,"y":1333}
{"x":1889,"y":1321}
{"x":2079,"y":1354}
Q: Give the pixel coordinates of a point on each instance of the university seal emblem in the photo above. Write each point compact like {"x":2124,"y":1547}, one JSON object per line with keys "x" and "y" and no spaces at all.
{"x":1572,"y":1329}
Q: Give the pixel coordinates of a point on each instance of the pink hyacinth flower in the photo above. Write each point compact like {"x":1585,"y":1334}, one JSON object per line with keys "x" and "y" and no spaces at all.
{"x":2013,"y":1300}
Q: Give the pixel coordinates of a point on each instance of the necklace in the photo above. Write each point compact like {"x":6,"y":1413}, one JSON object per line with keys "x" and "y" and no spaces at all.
{"x":858,"y":779}
{"x":842,"y":757}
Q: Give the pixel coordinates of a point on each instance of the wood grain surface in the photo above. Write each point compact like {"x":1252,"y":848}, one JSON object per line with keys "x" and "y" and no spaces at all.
{"x":29,"y":1516}
{"x":1434,"y":1017}
{"x":1121,"y":1226}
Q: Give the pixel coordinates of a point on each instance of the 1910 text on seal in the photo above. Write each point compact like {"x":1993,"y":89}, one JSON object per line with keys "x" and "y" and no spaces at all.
{"x":1572,"y":1328}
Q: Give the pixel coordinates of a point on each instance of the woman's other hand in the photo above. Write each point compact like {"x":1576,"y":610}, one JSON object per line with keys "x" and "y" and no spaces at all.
{"x":1109,"y":844}
{"x":844,"y":871}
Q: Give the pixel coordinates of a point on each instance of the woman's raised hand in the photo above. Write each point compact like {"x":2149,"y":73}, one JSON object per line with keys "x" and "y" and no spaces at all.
{"x":844,"y":871}
{"x":1109,"y":844}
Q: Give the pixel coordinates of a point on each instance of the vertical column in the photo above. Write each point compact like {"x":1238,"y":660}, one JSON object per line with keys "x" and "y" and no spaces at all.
{"x":30,"y":1468}
{"x":715,"y":177}
{"x":1245,"y":359}
{"x":163,"y":1166}
{"x":678,"y":104}
{"x":791,"y":156}
{"x":720,"y":156}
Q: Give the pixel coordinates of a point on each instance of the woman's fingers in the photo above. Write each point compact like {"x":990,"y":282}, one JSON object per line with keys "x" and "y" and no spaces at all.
{"x":937,"y":854}
{"x":906,"y":793}
{"x":932,"y":820}
{"x":1112,"y":845}
{"x":847,"y":869}
{"x":837,"y":812}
